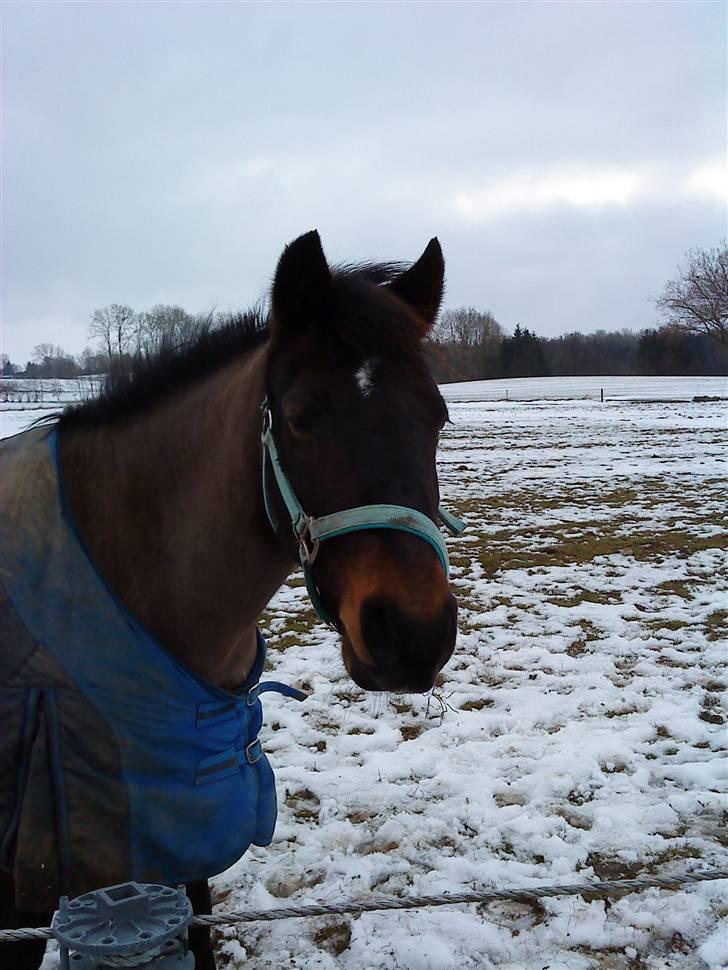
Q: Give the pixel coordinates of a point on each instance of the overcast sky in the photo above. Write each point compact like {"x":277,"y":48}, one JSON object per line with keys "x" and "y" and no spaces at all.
{"x":566,"y":154}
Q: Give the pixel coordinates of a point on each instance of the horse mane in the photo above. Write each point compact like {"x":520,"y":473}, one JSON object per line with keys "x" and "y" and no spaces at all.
{"x":135,"y":385}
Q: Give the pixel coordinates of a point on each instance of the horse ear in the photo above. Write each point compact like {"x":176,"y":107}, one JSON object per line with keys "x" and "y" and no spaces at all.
{"x":302,"y":285}
{"x":422,"y":285}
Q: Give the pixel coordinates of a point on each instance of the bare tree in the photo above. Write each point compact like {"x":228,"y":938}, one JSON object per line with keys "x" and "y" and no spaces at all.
{"x":467,"y":343}
{"x":467,"y":326}
{"x":90,"y":361}
{"x":168,"y":326}
{"x":7,"y":367}
{"x":115,"y":327}
{"x":696,"y":301}
{"x":51,"y":361}
{"x":44,"y":353}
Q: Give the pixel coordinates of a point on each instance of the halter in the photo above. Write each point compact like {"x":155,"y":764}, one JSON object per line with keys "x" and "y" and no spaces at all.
{"x":310,"y":532}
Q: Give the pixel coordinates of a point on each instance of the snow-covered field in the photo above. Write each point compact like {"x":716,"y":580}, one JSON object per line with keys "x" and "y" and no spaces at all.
{"x":24,"y":401}
{"x":578,"y":733}
{"x":18,"y":392}
{"x":615,"y":388}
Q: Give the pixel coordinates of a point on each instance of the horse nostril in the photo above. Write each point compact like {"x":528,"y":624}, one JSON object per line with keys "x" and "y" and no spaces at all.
{"x":380,"y":632}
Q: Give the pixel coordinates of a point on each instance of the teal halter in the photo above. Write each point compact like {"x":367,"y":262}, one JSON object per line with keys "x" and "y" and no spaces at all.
{"x":311,"y":532}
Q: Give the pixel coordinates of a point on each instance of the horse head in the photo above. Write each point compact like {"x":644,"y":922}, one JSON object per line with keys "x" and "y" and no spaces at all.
{"x":356,"y":417}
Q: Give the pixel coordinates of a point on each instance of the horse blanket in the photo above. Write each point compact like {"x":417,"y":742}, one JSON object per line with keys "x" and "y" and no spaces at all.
{"x":116,"y":761}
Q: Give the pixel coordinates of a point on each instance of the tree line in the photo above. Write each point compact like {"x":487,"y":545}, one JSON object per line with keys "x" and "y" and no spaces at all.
{"x":118,"y":333}
{"x":665,"y":351}
{"x":466,"y":343}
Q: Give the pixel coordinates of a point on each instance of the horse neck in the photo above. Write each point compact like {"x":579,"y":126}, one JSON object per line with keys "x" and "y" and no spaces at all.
{"x":170,"y":507}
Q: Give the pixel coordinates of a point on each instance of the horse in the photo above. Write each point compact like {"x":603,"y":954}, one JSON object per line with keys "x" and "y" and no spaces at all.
{"x":165,"y":527}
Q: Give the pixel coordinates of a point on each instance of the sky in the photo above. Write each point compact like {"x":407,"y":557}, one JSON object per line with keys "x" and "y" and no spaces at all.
{"x":565,"y":154}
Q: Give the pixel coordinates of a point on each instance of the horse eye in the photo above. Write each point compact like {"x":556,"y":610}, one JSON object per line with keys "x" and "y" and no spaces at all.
{"x":300,"y":424}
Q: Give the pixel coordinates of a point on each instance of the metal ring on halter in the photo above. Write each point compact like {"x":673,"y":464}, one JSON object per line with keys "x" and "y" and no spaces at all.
{"x":306,"y":552}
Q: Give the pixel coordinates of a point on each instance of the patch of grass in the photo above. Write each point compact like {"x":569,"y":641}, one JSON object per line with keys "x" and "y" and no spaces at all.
{"x":503,"y":601}
{"x":586,"y":596}
{"x":532,"y":501}
{"x":589,"y":630}
{"x":360,"y":815}
{"x":579,"y":797}
{"x":659,"y":624}
{"x":674,"y":587}
{"x":611,"y":958}
{"x":669,"y":662}
{"x":716,"y":625}
{"x":576,"y":649}
{"x":304,"y":803}
{"x":607,"y":867}
{"x":506,"y":849}
{"x":505,"y":798}
{"x":711,"y":717}
{"x":296,"y":627}
{"x":612,"y":867}
{"x":477,"y":704}
{"x":411,"y":731}
{"x":372,"y":847}
{"x":510,"y":549}
{"x":334,"y":937}
{"x":614,"y":767}
{"x":348,"y":692}
{"x":572,"y":818}
{"x":671,"y":855}
{"x":444,"y":842}
{"x":639,"y":546}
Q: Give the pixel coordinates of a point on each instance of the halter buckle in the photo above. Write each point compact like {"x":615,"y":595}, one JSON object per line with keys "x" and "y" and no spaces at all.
{"x":308,"y":548}
{"x":267,"y":420}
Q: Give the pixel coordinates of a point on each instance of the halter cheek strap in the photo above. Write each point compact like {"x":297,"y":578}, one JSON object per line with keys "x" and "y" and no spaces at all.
{"x":311,"y":532}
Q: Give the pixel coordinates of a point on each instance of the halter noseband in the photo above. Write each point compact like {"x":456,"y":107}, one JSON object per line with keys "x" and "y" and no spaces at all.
{"x":311,"y":532}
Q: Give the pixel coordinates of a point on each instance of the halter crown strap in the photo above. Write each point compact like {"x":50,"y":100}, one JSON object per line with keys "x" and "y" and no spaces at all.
{"x":311,"y":532}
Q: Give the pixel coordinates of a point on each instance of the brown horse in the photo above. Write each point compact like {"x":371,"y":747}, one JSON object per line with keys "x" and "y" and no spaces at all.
{"x":163,"y":475}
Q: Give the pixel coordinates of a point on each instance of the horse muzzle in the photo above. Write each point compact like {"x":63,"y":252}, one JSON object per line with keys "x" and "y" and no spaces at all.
{"x":393,"y":651}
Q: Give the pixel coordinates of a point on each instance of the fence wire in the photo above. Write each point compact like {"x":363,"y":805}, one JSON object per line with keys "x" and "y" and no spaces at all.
{"x":377,"y":903}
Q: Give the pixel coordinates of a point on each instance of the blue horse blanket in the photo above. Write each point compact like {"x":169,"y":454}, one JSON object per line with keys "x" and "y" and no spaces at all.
{"x":116,"y":761}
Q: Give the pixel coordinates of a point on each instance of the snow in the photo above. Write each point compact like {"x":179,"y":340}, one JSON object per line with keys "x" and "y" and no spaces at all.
{"x":631,"y":388}
{"x":579,"y":731}
{"x":13,"y":421}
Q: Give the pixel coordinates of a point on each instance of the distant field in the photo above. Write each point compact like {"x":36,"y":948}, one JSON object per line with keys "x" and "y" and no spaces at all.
{"x":629,"y":388}
{"x":23,"y":401}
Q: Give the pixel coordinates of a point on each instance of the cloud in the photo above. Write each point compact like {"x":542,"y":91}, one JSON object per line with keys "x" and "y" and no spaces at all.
{"x":566,"y":154}
{"x":709,"y":182}
{"x":589,"y":188}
